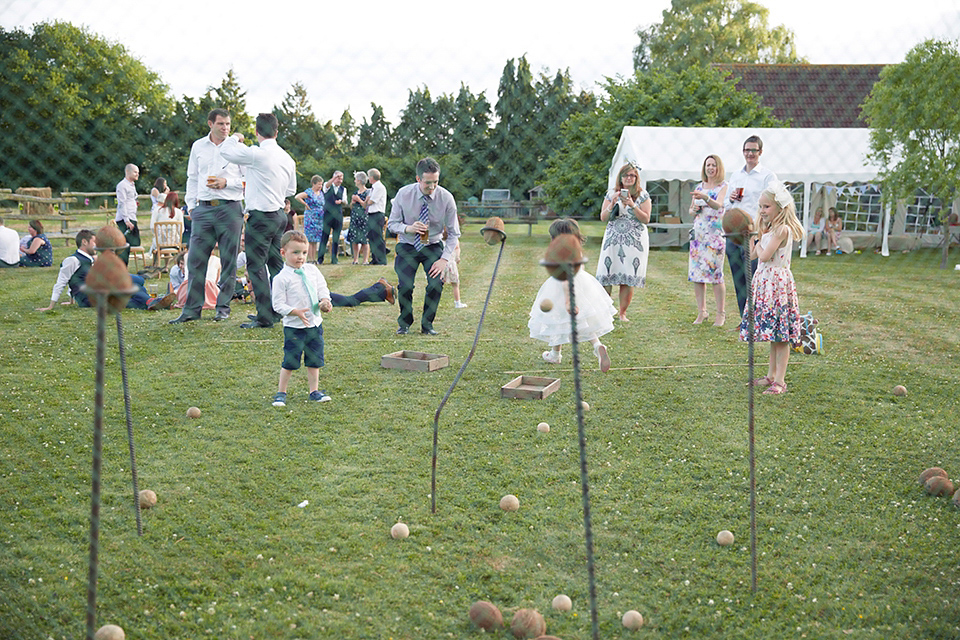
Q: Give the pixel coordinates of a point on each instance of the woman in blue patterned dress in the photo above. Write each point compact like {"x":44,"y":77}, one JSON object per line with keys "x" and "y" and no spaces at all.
{"x":626,"y":244}
{"x":312,"y":201}
{"x":707,"y":244}
{"x":39,"y":251}
{"x":357,"y":233}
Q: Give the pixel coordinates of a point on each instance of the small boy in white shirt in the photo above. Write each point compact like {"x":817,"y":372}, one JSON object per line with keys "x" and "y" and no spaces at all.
{"x":299,"y":294}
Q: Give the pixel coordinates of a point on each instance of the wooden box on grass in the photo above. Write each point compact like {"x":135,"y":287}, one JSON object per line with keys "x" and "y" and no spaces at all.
{"x":414,"y":361}
{"x":529,"y":388}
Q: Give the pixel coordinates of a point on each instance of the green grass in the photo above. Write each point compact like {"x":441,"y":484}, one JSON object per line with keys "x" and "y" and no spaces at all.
{"x":849,"y":545}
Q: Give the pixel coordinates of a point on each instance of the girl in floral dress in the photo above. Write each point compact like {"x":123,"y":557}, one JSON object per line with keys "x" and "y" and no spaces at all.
{"x":707,"y":245}
{"x":312,"y":201}
{"x":776,"y":309}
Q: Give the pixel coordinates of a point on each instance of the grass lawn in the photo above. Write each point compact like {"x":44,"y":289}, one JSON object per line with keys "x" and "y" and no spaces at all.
{"x":849,"y":544}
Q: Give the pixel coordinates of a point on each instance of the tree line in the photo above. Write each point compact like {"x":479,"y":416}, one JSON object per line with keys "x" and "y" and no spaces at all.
{"x":74,"y":108}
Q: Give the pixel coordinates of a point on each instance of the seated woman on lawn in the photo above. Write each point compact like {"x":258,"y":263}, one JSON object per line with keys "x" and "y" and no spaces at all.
{"x":39,"y":251}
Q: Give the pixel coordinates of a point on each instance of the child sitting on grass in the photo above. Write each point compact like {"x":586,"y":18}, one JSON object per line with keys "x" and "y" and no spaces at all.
{"x":299,"y":294}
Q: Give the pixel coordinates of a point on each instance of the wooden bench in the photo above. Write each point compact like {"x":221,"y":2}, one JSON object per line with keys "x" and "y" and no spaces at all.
{"x":529,"y":221}
{"x":65,"y":220}
{"x":510,"y":212}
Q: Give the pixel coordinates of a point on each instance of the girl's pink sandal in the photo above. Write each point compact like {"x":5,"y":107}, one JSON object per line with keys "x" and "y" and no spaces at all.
{"x":765,"y":381}
{"x":775,"y":389}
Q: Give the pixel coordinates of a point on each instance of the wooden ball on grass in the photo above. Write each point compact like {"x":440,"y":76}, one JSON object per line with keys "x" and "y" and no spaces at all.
{"x":956,"y":499}
{"x":509,"y":502}
{"x":632,"y":620}
{"x":528,"y":623}
{"x":109,"y":632}
{"x":399,"y":531}
{"x":585,"y":405}
{"x":725,"y":538}
{"x":543,"y":427}
{"x":939,"y":486}
{"x":929,"y":473}
{"x":486,"y":615}
{"x":193,"y":412}
{"x":546,"y":305}
{"x":147,"y":499}
{"x":562,"y":602}
{"x":900,"y":390}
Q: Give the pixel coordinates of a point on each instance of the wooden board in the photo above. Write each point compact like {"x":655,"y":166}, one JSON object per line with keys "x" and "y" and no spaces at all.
{"x":529,"y":388}
{"x":414,"y":361}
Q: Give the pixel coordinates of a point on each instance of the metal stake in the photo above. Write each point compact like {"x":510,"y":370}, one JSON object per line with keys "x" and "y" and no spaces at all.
{"x":126,"y":406}
{"x":463,"y":367}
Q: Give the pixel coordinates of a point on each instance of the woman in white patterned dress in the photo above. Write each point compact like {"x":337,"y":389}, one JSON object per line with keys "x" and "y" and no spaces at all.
{"x":626,"y":244}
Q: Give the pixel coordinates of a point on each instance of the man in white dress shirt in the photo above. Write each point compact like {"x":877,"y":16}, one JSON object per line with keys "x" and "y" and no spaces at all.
{"x":9,"y":246}
{"x":214,"y":192}
{"x":746,"y":185}
{"x":376,"y":206}
{"x":126,"y":217}
{"x":271,"y":179}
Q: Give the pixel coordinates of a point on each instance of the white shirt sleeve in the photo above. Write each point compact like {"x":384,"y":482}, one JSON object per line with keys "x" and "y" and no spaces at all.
{"x":67,"y":269}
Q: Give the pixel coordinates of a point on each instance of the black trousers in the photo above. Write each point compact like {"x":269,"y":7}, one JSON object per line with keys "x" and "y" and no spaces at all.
{"x":406,"y":263}
{"x":262,"y":244}
{"x":374,"y":293}
{"x":212,"y":226}
{"x":735,"y":258}
{"x":332,"y":224}
{"x":378,"y":244}
{"x":133,"y":239}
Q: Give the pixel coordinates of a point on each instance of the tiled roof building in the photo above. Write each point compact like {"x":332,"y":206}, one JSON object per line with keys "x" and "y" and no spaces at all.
{"x":810,"y":95}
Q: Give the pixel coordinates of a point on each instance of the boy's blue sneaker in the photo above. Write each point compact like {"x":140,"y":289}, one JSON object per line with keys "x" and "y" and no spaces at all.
{"x":280,"y":400}
{"x":320,"y":396}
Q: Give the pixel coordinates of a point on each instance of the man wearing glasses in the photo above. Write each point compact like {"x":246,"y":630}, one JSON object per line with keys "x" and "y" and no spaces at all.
{"x":421,"y":212}
{"x":746,"y":185}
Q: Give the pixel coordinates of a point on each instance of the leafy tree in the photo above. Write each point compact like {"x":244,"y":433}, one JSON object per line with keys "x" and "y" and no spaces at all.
{"x":300,"y":133}
{"x":74,"y":108}
{"x":375,"y":136}
{"x":230,"y":96}
{"x":346,"y":133}
{"x":576,"y":175}
{"x":426,"y":126}
{"x":471,"y":140}
{"x":915,"y":126}
{"x":513,"y":143}
{"x":528,"y":129}
{"x":702,"y":32}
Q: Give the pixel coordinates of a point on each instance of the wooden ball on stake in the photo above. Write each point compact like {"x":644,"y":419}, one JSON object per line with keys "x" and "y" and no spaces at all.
{"x":493,"y":231}
{"x":564,"y":256}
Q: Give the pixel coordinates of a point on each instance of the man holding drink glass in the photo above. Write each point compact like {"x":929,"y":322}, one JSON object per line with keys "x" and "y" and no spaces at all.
{"x":214,"y":192}
{"x":746,"y":185}
{"x":421,"y":212}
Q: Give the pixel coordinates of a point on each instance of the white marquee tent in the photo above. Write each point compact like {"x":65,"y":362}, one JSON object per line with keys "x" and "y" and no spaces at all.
{"x":795,"y":155}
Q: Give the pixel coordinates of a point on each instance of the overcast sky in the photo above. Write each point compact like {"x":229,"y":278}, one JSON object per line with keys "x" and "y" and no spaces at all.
{"x":378,"y":53}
